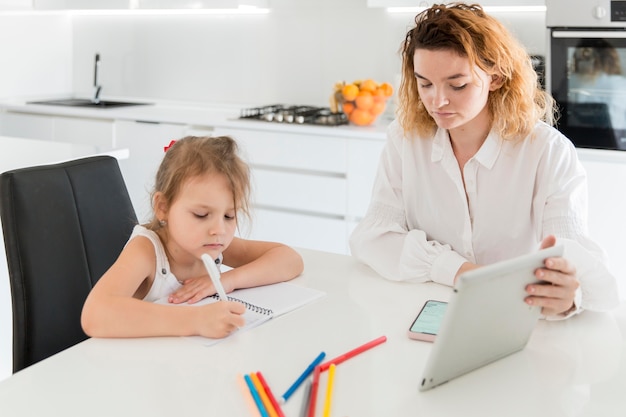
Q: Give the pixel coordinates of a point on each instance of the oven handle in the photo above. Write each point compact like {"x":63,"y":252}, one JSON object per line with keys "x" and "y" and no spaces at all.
{"x":588,"y":34}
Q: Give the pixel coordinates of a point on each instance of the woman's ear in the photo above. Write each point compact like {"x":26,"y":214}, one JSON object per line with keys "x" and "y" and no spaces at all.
{"x":496,"y":82}
{"x":160,"y":205}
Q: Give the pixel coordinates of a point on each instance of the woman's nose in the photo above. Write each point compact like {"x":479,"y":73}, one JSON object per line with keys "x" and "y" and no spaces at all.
{"x":439,"y":98}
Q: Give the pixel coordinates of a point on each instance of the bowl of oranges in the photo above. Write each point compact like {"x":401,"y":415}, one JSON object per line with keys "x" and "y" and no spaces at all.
{"x":362,"y":100}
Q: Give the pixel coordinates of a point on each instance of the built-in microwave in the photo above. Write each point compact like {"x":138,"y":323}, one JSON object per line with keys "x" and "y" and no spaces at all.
{"x":586,"y":70}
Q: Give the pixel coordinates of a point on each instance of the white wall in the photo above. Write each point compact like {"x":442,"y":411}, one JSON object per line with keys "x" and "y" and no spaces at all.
{"x":35,"y":55}
{"x":294,"y":54}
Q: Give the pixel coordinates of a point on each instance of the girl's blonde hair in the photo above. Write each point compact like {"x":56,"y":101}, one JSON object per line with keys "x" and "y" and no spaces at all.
{"x":515,"y":107}
{"x":193,"y":156}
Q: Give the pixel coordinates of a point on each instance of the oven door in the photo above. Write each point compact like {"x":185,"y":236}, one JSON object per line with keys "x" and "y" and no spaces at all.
{"x":588,"y":82}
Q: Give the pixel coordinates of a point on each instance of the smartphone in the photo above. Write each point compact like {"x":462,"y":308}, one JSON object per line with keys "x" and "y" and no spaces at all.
{"x":426,"y":325}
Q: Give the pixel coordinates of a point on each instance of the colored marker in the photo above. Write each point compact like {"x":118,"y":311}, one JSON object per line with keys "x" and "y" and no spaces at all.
{"x":255,"y":395}
{"x":329,"y":390}
{"x":301,"y":378}
{"x":353,"y":352}
{"x":254,"y":411}
{"x":270,"y":395}
{"x":314,"y":386}
{"x":264,"y":398}
{"x":306,"y":399}
{"x":214,"y":273}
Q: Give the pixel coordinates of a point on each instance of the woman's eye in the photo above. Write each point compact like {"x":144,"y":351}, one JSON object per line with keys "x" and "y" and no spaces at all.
{"x":229,"y":217}
{"x":200,"y":215}
{"x":460,"y":87}
{"x":425,"y":85}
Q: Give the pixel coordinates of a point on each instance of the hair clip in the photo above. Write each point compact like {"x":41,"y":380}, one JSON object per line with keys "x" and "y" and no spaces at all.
{"x":165,"y":148}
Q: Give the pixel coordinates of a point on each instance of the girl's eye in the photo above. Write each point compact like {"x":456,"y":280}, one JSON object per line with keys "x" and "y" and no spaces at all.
{"x":460,"y":87}
{"x":425,"y":85}
{"x":229,"y":217}
{"x":200,"y":216}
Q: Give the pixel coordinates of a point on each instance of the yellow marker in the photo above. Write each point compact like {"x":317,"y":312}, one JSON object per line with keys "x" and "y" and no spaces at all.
{"x":329,"y":390}
{"x":264,"y":398}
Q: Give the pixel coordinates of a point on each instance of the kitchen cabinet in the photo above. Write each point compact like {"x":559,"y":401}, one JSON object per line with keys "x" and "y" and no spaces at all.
{"x":145,"y":143}
{"x":96,"y":132}
{"x":16,"y":4}
{"x":310,"y":185}
{"x":308,"y":189}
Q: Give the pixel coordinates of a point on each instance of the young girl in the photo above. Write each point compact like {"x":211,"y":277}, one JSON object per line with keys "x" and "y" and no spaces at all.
{"x":472,"y":174}
{"x":201,"y":188}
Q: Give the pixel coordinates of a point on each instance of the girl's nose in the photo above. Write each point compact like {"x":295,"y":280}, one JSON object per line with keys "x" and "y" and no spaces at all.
{"x":217,"y":226}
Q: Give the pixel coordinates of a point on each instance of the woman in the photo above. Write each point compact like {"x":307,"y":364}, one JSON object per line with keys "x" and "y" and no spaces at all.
{"x":472,"y":172}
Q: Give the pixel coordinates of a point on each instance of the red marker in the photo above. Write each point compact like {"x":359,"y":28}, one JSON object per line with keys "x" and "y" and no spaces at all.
{"x":266,"y":387}
{"x":352,"y":353}
{"x":313,"y":395}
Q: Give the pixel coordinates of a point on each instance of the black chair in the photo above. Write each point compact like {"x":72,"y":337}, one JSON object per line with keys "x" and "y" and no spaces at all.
{"x":64,"y":225}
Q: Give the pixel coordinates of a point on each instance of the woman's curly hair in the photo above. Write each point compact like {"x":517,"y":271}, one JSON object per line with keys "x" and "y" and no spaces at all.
{"x":466,"y":29}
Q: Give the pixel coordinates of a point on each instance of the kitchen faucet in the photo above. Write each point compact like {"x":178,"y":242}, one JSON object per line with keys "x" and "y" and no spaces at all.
{"x":96,"y":85}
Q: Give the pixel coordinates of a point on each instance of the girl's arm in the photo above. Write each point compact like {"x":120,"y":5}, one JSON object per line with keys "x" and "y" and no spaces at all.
{"x":257,"y":263}
{"x":254,"y":263}
{"x":112,"y":311}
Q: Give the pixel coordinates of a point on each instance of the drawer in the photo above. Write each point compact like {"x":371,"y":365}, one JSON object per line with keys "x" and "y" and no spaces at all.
{"x":363,"y":162}
{"x":291,"y":150}
{"x":298,"y":230}
{"x":299,"y":192}
{"x":27,"y":126}
{"x":87,"y":131}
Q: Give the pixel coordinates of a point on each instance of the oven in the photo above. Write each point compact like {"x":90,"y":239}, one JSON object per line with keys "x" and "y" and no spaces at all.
{"x":586,"y":70}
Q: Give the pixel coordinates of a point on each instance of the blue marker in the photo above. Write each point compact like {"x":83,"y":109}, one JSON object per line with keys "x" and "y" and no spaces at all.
{"x":306,"y":373}
{"x":255,"y":395}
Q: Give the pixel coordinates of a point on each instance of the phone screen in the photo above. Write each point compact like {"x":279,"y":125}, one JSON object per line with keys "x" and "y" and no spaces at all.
{"x":429,"y":319}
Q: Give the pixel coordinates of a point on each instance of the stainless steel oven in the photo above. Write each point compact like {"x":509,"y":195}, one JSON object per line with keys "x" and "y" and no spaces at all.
{"x":586,"y":70}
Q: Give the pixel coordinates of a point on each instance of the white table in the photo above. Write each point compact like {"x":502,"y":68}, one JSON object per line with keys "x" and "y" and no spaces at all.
{"x":570,"y":368}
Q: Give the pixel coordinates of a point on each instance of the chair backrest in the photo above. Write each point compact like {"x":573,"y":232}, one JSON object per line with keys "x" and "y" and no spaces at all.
{"x":64,"y":225}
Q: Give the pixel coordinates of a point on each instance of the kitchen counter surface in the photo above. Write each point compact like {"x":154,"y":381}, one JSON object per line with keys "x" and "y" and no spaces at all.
{"x":200,"y":114}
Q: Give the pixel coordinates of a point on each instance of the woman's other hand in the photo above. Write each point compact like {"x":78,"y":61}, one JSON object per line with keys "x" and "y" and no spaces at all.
{"x":555,"y":294}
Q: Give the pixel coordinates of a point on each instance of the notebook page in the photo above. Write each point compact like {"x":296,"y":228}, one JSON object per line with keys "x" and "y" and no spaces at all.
{"x":280,"y":298}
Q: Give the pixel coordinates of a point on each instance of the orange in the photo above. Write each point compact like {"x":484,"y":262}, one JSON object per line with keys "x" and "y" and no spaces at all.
{"x":378,"y":108}
{"x":369,"y":85}
{"x":347,"y":107}
{"x":379,"y":95}
{"x":364,"y":100}
{"x":361,"y":117}
{"x":349,"y":92}
{"x":387,"y":88}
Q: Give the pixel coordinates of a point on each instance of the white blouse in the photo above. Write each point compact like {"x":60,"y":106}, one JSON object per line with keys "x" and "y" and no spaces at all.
{"x":423,"y":222}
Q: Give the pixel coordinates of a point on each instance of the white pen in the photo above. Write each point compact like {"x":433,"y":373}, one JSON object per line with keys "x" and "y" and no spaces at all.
{"x":214,"y":273}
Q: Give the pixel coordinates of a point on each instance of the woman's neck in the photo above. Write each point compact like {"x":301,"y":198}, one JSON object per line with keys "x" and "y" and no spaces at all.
{"x":466,"y":140}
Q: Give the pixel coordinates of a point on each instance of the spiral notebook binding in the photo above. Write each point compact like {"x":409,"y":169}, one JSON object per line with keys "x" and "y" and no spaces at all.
{"x":249,"y":306}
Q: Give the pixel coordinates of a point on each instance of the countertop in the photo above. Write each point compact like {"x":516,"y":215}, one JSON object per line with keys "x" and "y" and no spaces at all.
{"x":196,"y":114}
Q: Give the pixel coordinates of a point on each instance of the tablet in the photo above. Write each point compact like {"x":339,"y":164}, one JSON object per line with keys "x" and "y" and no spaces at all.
{"x":486,"y":319}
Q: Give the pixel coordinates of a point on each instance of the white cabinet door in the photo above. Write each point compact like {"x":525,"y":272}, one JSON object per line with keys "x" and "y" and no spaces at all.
{"x":96,"y":132}
{"x":363,"y":158}
{"x":298,"y":230}
{"x":27,"y":126}
{"x":145,"y":142}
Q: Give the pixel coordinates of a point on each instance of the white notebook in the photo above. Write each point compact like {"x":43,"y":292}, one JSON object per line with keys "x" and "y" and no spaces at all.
{"x":262,"y":303}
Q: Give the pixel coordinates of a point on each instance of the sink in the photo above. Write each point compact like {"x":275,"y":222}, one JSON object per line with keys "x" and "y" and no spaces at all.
{"x":85,"y":102}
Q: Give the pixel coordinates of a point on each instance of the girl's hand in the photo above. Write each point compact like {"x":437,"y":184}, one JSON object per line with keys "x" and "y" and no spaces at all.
{"x":556,"y":293}
{"x":219,"y":319}
{"x":193,"y":290}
